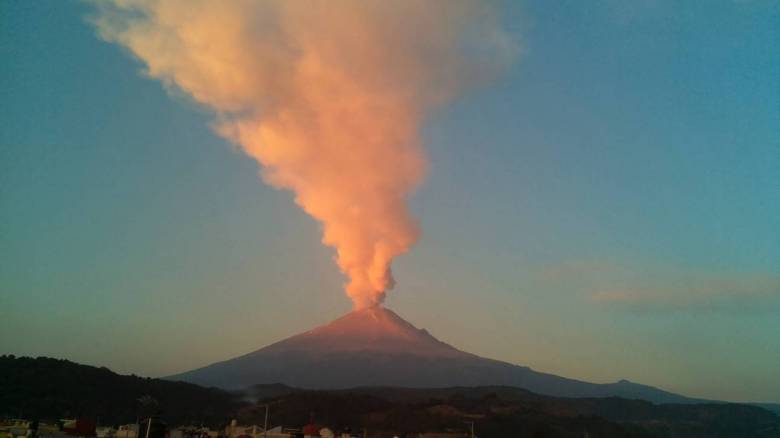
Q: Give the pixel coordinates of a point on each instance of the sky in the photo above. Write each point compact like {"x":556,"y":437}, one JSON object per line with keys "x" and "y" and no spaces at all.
{"x":606,"y":209}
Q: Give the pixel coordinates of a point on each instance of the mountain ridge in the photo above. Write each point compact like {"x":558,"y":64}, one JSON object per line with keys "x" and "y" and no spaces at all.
{"x":48,"y":389}
{"x":371,"y":329}
{"x":376,"y":347}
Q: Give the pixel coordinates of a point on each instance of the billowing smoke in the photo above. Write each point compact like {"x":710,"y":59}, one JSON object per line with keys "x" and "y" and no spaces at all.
{"x":327,"y":95}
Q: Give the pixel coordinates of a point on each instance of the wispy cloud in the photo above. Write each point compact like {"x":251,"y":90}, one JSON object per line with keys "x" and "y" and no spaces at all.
{"x":652,"y":288}
{"x":698,"y":292}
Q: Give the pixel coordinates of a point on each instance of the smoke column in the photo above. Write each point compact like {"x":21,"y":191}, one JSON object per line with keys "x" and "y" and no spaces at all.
{"x":328,"y":96}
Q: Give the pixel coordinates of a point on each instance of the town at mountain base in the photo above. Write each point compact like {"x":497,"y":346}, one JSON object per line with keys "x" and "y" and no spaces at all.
{"x":50,"y":389}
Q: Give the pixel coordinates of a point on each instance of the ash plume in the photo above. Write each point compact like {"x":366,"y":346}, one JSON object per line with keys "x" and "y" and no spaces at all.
{"x":328,"y":96}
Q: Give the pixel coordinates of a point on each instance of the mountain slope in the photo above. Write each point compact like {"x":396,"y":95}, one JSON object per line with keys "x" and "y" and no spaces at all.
{"x":376,"y":330}
{"x":376,"y":347}
{"x":48,"y":388}
{"x":513,"y":412}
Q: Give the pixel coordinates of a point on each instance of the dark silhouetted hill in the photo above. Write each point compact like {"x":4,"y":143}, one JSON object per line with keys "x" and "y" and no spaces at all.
{"x":48,"y":388}
{"x":512,"y":412}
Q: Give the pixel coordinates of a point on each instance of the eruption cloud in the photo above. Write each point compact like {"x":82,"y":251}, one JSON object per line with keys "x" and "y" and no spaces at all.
{"x":328,"y":96}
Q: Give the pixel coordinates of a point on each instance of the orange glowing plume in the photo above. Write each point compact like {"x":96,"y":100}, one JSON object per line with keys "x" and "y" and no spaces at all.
{"x":328,"y":96}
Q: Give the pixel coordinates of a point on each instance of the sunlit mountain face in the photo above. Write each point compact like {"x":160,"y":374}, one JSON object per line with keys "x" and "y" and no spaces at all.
{"x":376,"y":347}
{"x":371,"y":330}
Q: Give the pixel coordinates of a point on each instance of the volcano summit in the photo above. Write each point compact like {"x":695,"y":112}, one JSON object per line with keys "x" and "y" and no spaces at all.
{"x":376,"y":347}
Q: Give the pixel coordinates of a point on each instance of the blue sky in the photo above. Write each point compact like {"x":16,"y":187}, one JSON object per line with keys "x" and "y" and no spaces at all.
{"x":607,"y":209}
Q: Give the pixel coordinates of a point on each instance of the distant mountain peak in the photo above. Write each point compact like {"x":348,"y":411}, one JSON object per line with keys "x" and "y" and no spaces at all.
{"x":376,"y":321}
{"x":376,"y":329}
{"x":371,"y":318}
{"x":376,"y":347}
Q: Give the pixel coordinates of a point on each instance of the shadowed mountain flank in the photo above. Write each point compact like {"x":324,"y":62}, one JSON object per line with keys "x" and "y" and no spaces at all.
{"x":376,"y":347}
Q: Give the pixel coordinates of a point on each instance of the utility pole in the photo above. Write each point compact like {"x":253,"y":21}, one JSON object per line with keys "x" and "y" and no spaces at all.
{"x":471,"y":424}
{"x":265,"y":426}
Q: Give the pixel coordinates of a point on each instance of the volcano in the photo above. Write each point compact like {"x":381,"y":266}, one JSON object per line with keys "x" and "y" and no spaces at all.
{"x":376,"y":347}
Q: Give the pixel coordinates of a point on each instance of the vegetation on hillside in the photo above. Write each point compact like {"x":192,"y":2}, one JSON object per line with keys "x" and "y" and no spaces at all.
{"x":46,"y":388}
{"x":43,"y":388}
